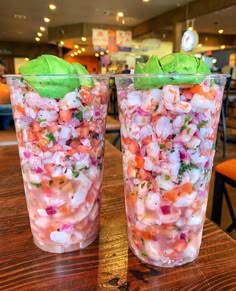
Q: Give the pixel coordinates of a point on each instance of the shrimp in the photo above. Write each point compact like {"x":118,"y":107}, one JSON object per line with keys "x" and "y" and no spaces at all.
{"x":151,"y":98}
{"x":47,"y":116}
{"x":164,"y":127}
{"x":134,"y":99}
{"x":34,"y":100}
{"x":170,"y":94}
{"x":70,"y":100}
{"x":200,"y":103}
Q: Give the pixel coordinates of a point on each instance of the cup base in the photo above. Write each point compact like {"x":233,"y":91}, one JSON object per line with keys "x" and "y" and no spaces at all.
{"x":59,"y":249}
{"x":161,"y":264}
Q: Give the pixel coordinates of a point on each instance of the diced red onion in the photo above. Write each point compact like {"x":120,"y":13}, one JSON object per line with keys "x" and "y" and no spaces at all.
{"x":51,"y":210}
{"x":27,"y":155}
{"x":165,"y":209}
{"x":38,"y":170}
{"x":183,"y":236}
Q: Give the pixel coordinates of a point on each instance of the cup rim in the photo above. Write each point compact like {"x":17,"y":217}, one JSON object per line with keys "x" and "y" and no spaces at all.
{"x":171,"y":75}
{"x":90,"y":76}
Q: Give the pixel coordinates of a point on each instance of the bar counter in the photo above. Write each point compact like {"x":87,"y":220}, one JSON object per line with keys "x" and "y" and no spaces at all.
{"x":107,"y":264}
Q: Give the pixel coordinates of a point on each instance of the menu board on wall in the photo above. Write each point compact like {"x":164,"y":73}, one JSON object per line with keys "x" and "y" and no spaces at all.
{"x":111,"y":40}
{"x":100,"y":39}
{"x":124,"y":40}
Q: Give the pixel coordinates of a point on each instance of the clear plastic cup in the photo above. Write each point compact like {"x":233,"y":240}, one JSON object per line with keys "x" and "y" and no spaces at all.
{"x":61,"y":149}
{"x":168,"y":132}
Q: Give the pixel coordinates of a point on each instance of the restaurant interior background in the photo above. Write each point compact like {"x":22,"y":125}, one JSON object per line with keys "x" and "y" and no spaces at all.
{"x":104,"y":38}
{"x":107,"y":36}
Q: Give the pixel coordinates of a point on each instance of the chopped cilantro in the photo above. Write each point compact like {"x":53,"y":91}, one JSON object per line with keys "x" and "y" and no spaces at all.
{"x":76,"y":173}
{"x":186,"y":167}
{"x":38,"y":185}
{"x":61,"y":181}
{"x":142,"y":185}
{"x":50,"y":136}
{"x":143,"y":254}
{"x":156,"y":108}
{"x":186,"y":121}
{"x":142,"y":240}
{"x":167,"y":178}
{"x":202,"y":123}
{"x":162,"y":146}
{"x":79,"y":115}
{"x":41,"y":120}
{"x":50,"y":182}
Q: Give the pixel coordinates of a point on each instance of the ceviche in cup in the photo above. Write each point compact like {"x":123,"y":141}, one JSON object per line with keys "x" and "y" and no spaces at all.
{"x":59,"y":113}
{"x":169,"y":112}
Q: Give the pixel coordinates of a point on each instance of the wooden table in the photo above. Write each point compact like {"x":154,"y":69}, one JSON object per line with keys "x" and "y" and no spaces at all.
{"x":107,"y":264}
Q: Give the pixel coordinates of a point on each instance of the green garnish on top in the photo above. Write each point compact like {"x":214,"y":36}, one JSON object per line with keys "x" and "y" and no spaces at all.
{"x":50,"y":76}
{"x":178,"y":63}
{"x":50,"y":136}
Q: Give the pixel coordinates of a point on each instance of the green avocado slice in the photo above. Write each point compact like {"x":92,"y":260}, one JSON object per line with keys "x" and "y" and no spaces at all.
{"x":81,"y":70}
{"x":50,"y":86}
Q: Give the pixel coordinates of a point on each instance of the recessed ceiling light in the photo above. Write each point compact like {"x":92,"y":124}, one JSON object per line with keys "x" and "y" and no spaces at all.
{"x":120,"y":14}
{"x":222,"y":46}
{"x":37,"y":38}
{"x":39,"y":34}
{"x":146,"y":0}
{"x":83,"y":38}
{"x":79,"y":51}
{"x":76,"y":46}
{"x":97,"y":55}
{"x":42,"y":28}
{"x":26,"y":59}
{"x":83,"y":49}
{"x":72,"y":55}
{"x":52,"y":6}
{"x":199,"y":45}
{"x":46,"y":19}
{"x":220,"y":31}
{"x":101,"y":53}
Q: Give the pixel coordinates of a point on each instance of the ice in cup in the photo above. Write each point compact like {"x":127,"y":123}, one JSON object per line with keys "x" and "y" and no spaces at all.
{"x":169,"y":125}
{"x":60,"y":125}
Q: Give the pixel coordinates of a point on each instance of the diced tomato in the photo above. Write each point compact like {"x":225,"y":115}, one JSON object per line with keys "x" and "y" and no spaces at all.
{"x":180,"y":246}
{"x":139,"y":162}
{"x":20,"y":109}
{"x":65,"y":115}
{"x":144,"y":175}
{"x":36,"y":126}
{"x":131,"y":144}
{"x":178,"y":191}
{"x":74,"y":144}
{"x":31,"y":136}
{"x":48,"y":168}
{"x":83,"y":131}
{"x":83,"y":149}
{"x":131,"y":171}
{"x":197,"y":89}
{"x":147,"y":140}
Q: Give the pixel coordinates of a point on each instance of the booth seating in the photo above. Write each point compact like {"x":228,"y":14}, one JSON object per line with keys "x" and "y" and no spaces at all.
{"x":225,"y":174}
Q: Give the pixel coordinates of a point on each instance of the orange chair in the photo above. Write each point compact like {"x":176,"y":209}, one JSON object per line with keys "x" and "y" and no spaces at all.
{"x":225,"y":173}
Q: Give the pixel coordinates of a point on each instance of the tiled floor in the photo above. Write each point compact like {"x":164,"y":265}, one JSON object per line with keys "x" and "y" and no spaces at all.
{"x":8,"y":136}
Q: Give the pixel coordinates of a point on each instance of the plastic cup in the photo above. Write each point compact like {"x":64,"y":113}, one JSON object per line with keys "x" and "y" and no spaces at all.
{"x":168,"y":132}
{"x":61,"y":149}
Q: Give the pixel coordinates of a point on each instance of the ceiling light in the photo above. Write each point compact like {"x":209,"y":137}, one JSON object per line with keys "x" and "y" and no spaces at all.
{"x":26,"y":59}
{"x":96,"y":54}
{"x":146,"y":0}
{"x":37,"y":38}
{"x":120,"y":14}
{"x":107,"y":51}
{"x":101,"y":53}
{"x":123,"y":21}
{"x":75,"y":53}
{"x":222,"y":46}
{"x":39,"y":34}
{"x":79,"y":51}
{"x":83,"y":38}
{"x":199,"y":45}
{"x":52,"y":6}
{"x":46,"y":19}
{"x":72,"y":55}
{"x":61,"y":43}
{"x":76,"y":46}
{"x":83,"y":49}
{"x":190,"y":28}
{"x":220,"y":31}
{"x":42,"y":28}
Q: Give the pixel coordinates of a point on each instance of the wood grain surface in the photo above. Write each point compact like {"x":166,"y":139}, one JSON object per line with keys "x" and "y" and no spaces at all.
{"x":107,"y":264}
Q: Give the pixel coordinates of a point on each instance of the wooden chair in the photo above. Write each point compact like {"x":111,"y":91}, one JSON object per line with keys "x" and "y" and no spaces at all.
{"x":225,"y":173}
{"x":113,"y":126}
